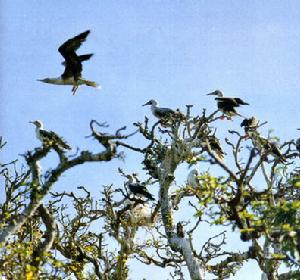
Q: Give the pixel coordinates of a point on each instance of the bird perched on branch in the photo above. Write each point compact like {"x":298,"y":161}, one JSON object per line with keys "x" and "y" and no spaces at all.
{"x":164,"y":114}
{"x":227,"y":105}
{"x":298,"y":143}
{"x":250,"y":124}
{"x":266,"y":146}
{"x":49,"y":138}
{"x":193,"y":179}
{"x":73,"y":64}
{"x":137,"y":188}
{"x":216,"y":146}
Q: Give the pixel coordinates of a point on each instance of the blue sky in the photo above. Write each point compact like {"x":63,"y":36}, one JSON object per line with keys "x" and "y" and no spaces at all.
{"x":172,"y":51}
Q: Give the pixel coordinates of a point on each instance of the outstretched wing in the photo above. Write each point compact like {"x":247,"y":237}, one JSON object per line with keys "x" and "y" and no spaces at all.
{"x":73,"y":66}
{"x":71,"y":45}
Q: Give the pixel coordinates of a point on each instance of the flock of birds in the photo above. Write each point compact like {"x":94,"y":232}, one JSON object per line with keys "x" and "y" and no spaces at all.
{"x":227,"y":105}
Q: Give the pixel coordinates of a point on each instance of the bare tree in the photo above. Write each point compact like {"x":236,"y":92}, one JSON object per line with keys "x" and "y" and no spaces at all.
{"x":245,"y":183}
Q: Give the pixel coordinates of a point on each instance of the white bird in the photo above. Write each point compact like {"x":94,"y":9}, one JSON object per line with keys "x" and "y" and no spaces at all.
{"x":140,"y":214}
{"x":193,"y":179}
{"x":49,"y":138}
{"x":163,"y":113}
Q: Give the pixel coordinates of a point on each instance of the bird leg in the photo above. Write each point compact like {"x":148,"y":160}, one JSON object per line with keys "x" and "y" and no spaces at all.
{"x":74,"y":88}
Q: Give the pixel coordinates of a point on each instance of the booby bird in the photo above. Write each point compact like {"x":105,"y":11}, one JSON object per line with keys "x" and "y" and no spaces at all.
{"x":250,"y":124}
{"x":266,"y":146}
{"x":137,"y":188}
{"x":163,"y":113}
{"x":72,"y":63}
{"x":216,"y":146}
{"x":298,"y":143}
{"x":227,"y":104}
{"x":49,"y":138}
{"x":192,"y":179}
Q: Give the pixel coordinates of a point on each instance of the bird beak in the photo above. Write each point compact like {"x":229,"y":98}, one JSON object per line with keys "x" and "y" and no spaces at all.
{"x":32,"y":122}
{"x":148,"y":103}
{"x":211,"y":93}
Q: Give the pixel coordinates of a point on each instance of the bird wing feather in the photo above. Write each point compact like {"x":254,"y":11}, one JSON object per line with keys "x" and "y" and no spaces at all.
{"x":164,"y":112}
{"x":71,"y":45}
{"x":51,"y":136}
{"x":73,"y":66}
{"x":140,"y":189}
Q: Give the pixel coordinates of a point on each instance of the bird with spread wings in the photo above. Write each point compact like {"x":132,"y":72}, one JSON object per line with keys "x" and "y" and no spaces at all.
{"x":73,"y":64}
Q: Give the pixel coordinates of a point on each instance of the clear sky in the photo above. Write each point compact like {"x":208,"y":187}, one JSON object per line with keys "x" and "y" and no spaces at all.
{"x":172,"y":51}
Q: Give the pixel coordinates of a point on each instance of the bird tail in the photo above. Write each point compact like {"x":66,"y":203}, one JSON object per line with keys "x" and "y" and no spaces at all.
{"x":91,"y":83}
{"x":220,"y":155}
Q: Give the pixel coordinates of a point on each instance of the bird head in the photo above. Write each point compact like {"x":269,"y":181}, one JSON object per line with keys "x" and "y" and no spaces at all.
{"x":37,"y":123}
{"x":194,"y":173}
{"x":151,"y":102}
{"x":217,"y":92}
{"x":129,"y":177}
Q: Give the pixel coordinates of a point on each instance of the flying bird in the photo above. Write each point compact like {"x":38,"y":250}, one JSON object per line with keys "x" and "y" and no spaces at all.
{"x":227,"y":105}
{"x":137,"y":188}
{"x":49,"y":138}
{"x":163,"y":114}
{"x":73,"y":64}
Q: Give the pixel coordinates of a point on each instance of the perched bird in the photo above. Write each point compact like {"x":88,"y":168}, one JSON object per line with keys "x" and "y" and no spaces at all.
{"x":163,"y":114}
{"x":249,"y":124}
{"x":227,"y":104}
{"x":192,"y":178}
{"x":73,"y":64}
{"x":138,"y":189}
{"x":49,"y":138}
{"x":179,"y":229}
{"x":141,"y":214}
{"x":275,"y":151}
{"x":298,"y":143}
{"x":215,"y":146}
{"x":266,"y":146}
